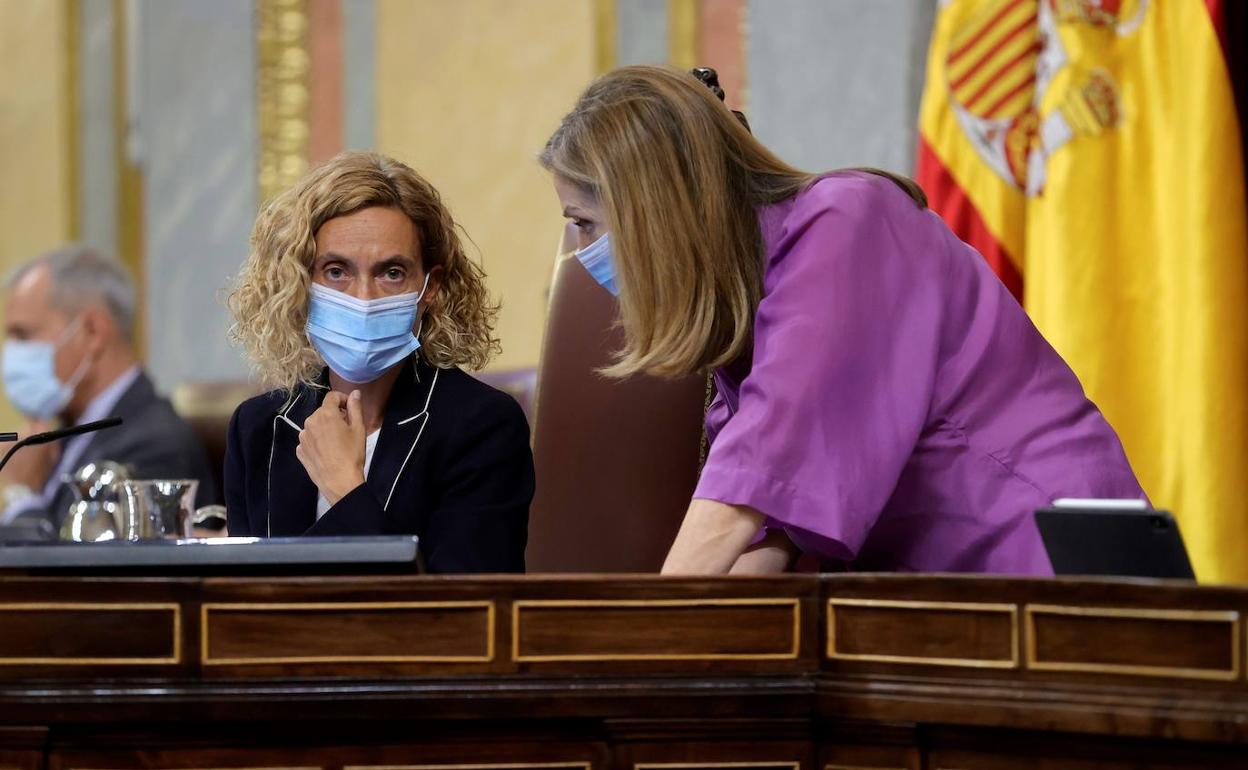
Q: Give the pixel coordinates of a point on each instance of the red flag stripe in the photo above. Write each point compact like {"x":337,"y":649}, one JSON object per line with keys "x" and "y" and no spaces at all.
{"x":984,"y":30}
{"x":1217,"y":17}
{"x":953,"y":205}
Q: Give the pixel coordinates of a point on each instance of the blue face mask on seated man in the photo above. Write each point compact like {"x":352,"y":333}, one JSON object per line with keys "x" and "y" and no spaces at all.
{"x":596,"y":257}
{"x":30,"y":381}
{"x":359,"y":339}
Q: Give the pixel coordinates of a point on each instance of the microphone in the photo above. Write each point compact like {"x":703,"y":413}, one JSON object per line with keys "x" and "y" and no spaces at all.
{"x":58,"y":434}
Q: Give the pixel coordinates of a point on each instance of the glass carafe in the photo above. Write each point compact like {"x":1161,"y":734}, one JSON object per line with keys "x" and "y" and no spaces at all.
{"x":94,"y":516}
{"x":158,"y":508}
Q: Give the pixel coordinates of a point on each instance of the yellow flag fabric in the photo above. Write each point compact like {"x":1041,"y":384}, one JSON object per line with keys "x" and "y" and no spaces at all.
{"x":1095,"y":145}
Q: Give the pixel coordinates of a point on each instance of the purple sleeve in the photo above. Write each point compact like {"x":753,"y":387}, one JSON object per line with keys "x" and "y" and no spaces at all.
{"x":845,"y":349}
{"x":716,"y":416}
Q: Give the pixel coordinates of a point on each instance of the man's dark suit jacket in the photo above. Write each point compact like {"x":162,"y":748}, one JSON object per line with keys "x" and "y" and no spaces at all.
{"x":153,"y":441}
{"x":452,"y":465}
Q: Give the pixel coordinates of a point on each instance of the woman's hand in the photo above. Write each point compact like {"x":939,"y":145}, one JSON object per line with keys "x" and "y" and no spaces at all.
{"x":711,"y":538}
{"x":774,"y":553}
{"x":331,"y":446}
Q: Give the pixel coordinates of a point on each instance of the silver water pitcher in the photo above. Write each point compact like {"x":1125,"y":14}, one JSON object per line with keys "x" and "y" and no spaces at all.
{"x":95,"y":514}
{"x":160,"y":508}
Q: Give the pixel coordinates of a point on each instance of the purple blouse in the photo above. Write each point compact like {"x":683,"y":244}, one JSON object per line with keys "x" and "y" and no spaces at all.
{"x":900,"y":411}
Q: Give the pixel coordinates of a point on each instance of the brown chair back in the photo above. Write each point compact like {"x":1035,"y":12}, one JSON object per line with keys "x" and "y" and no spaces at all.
{"x":617,"y":461}
{"x":207,"y":406}
{"x":520,"y":384}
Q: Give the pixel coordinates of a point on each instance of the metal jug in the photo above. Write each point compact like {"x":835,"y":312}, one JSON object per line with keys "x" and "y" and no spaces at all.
{"x":94,"y":516}
{"x":158,"y":508}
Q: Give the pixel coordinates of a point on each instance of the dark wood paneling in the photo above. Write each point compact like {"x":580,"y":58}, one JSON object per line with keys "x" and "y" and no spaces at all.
{"x":389,"y":747}
{"x":724,"y":754}
{"x":459,"y":764}
{"x":22,"y":748}
{"x":21,"y":760}
{"x":867,"y":757}
{"x":640,"y":629}
{"x":963,"y":634}
{"x":857,"y":745}
{"x":90,"y":634}
{"x":330,"y":672}
{"x":1182,"y":644}
{"x":1005,"y":750}
{"x":348,"y":632}
{"x":725,"y":765}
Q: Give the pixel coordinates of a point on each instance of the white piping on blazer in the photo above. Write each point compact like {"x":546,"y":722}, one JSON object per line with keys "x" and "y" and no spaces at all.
{"x":281,"y":415}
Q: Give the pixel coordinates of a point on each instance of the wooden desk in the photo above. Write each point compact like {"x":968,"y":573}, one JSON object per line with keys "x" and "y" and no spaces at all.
{"x":827,"y":672}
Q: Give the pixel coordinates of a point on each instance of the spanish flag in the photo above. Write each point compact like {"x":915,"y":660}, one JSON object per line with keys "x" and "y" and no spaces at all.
{"x":1090,"y":150}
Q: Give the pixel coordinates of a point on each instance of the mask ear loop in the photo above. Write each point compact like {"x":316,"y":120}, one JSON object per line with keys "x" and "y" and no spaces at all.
{"x":70,"y":328}
{"x":79,"y":373}
{"x":424,"y":288}
{"x":421,"y":318}
{"x":84,"y":364}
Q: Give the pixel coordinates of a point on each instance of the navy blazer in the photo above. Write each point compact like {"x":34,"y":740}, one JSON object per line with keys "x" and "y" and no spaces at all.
{"x":452,"y":465}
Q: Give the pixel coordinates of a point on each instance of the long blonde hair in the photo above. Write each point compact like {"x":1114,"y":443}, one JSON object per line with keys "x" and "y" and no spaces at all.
{"x":269,"y":299}
{"x":680,"y":180}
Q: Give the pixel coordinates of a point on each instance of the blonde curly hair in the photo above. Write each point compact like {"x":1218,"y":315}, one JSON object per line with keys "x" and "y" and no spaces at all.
{"x":269,"y":299}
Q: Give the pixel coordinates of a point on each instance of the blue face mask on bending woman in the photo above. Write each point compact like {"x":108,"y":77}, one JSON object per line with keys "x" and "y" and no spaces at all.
{"x":359,"y":339}
{"x":597,"y":259}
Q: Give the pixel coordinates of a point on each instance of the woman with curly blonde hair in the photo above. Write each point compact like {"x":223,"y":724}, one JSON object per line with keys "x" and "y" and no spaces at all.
{"x":358,"y":303}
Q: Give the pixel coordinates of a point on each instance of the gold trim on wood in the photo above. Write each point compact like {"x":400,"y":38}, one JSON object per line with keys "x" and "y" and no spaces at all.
{"x":252,"y":767}
{"x":283,"y":93}
{"x":604,"y":35}
{"x":129,"y":181}
{"x":682,"y":33}
{"x":1178,"y":672}
{"x":1006,"y":609}
{"x":176,"y":628}
{"x":493,"y":766}
{"x":520,"y":605}
{"x":675,"y":765}
{"x":73,"y":116}
{"x":204,"y":658}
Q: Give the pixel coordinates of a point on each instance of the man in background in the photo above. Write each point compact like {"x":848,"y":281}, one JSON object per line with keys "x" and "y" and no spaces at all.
{"x":69,"y":359}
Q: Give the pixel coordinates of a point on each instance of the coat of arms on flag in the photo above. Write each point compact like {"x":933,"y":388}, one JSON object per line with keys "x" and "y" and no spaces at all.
{"x":1001,"y":70}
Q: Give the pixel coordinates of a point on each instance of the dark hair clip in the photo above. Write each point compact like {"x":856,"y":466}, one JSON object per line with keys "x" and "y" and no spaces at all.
{"x":710,"y":78}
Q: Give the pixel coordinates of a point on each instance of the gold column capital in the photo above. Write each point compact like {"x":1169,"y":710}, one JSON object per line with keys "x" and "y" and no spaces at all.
{"x":283,"y":67}
{"x":682,"y":33}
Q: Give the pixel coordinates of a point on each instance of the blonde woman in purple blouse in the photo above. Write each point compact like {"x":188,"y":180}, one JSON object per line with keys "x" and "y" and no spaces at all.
{"x":883,"y":401}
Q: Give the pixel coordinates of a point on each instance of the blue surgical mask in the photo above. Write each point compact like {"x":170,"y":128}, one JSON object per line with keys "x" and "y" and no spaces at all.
{"x":30,"y":382}
{"x":359,"y":339}
{"x":596,"y":257}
